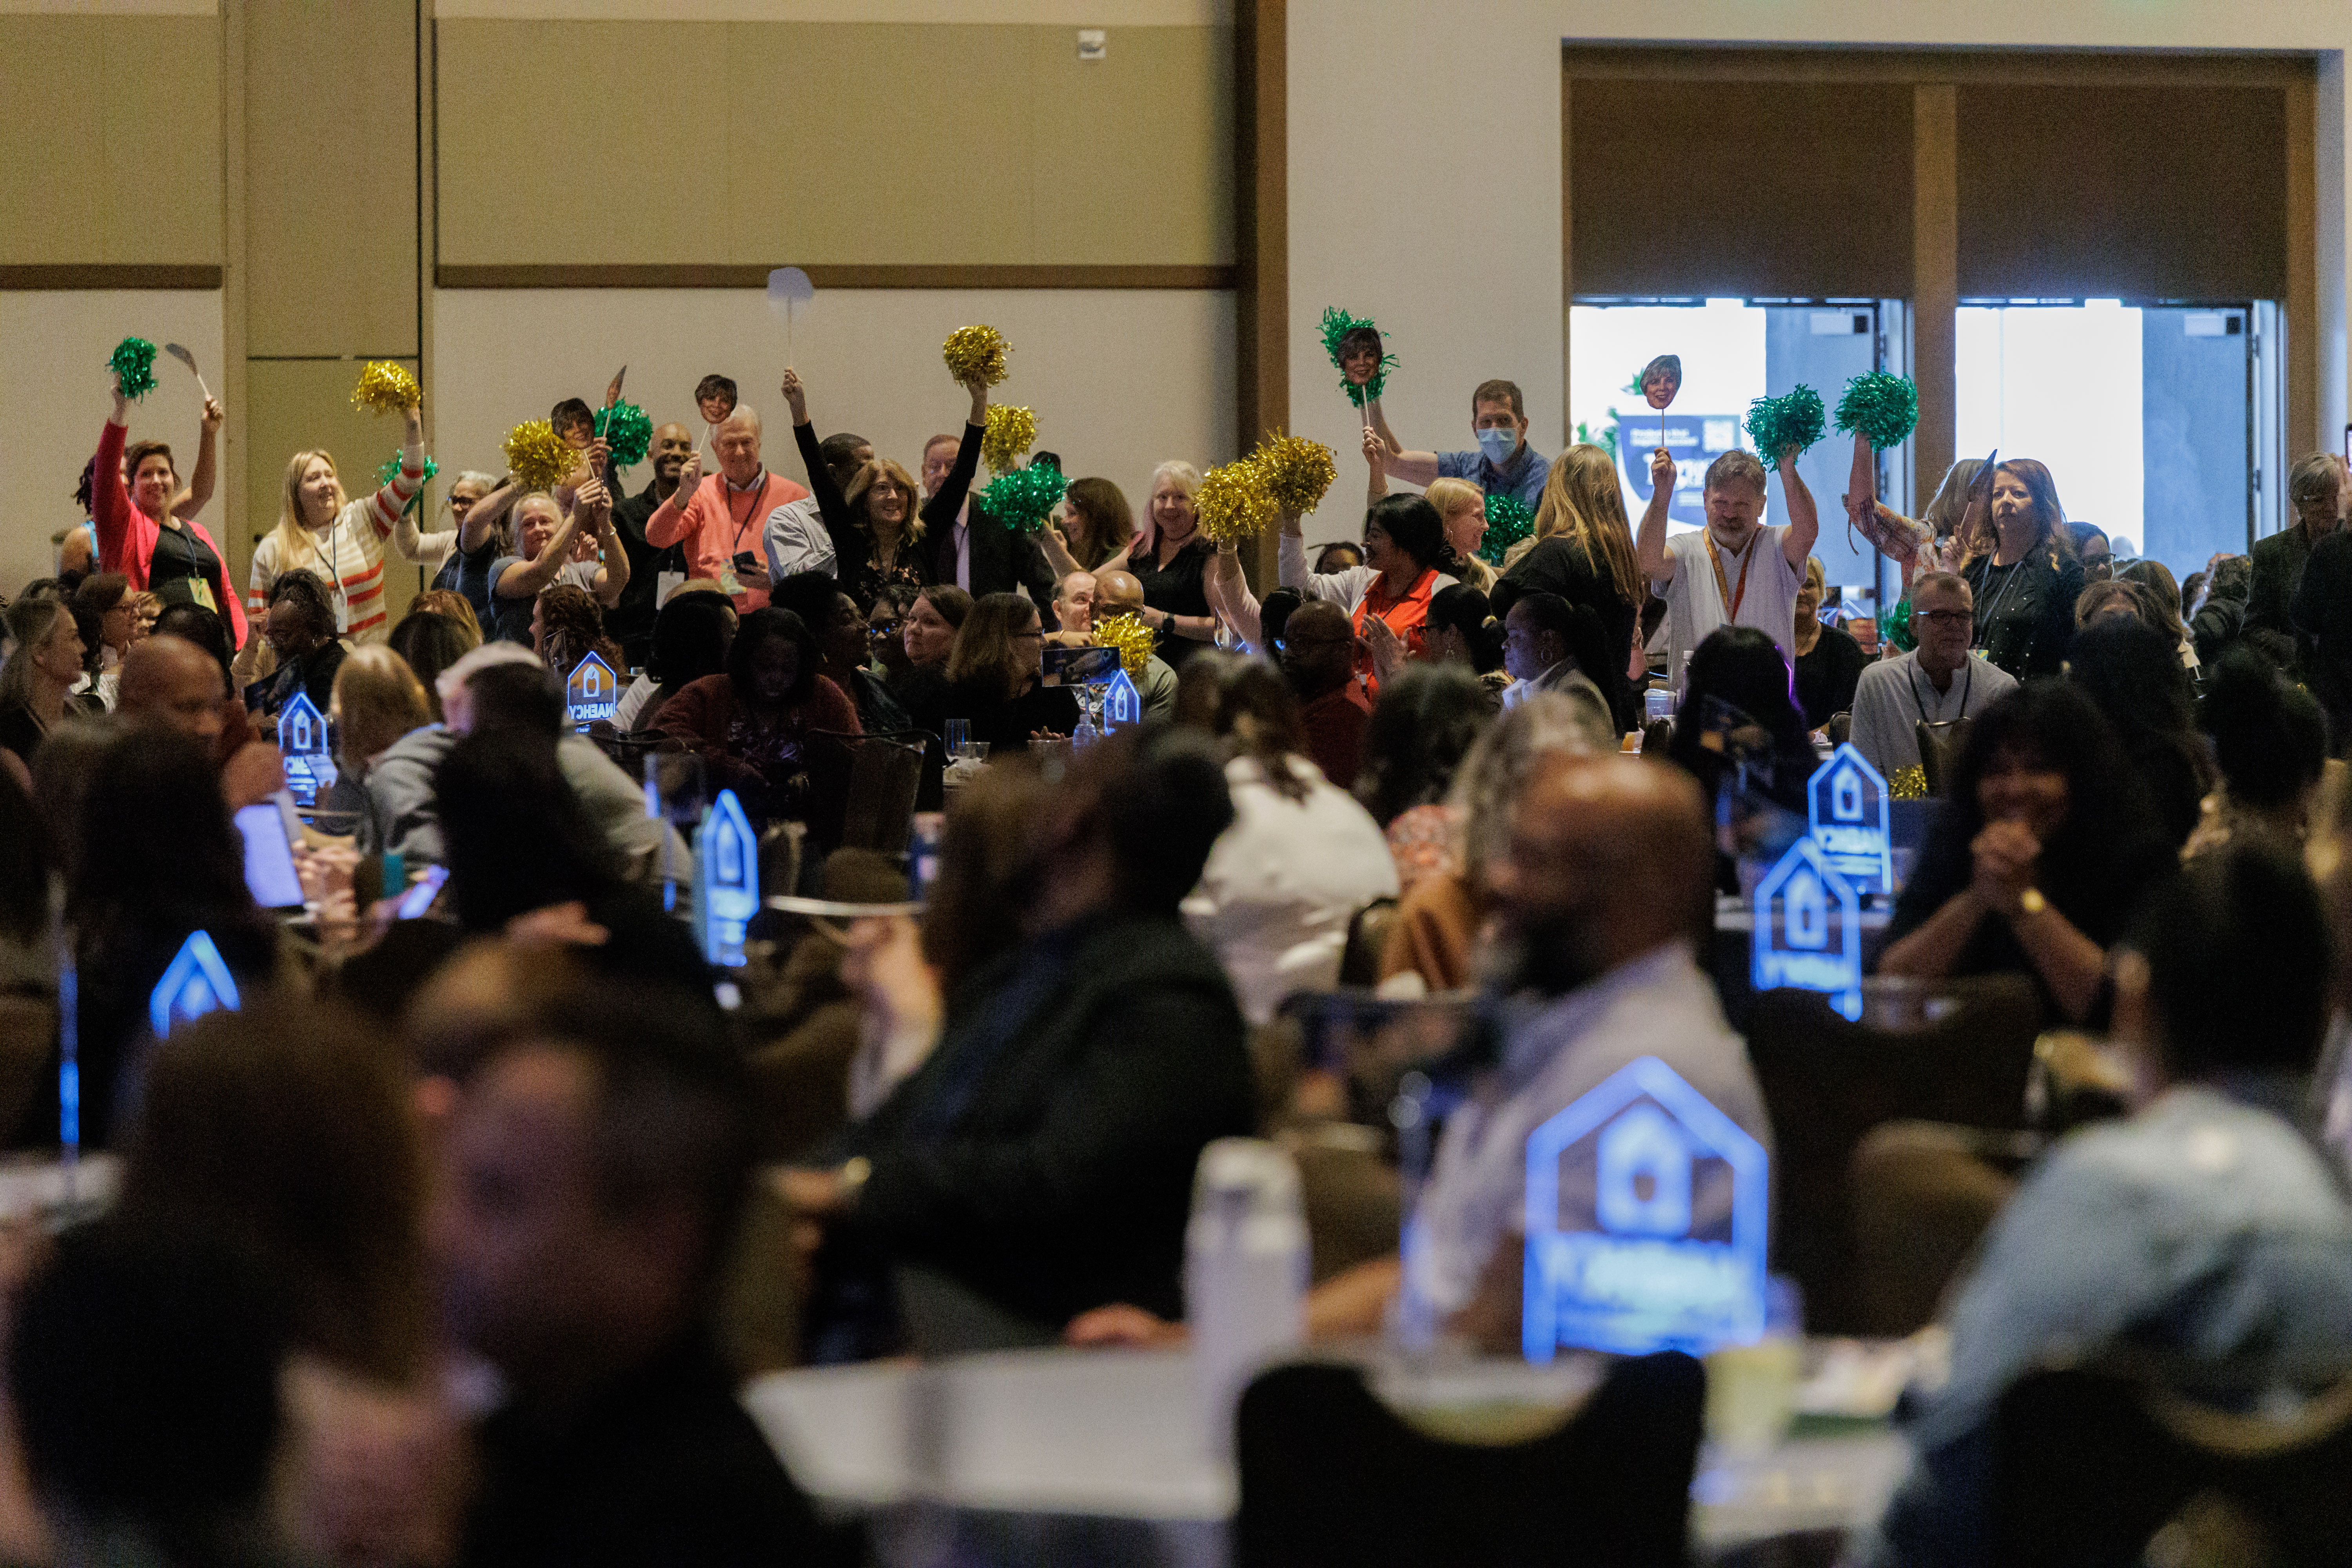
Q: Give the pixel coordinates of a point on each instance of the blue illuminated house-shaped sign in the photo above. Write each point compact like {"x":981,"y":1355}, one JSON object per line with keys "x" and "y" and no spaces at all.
{"x":1808,"y":928}
{"x":726,"y":880}
{"x":197,"y":983}
{"x":1121,"y":705}
{"x":1845,"y":806}
{"x":303,"y":747}
{"x":592,"y":692}
{"x":1654,"y":1259}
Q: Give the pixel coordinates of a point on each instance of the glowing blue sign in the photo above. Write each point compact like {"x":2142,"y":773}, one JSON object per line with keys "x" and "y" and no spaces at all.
{"x":1647,"y":1211}
{"x":1845,"y":806}
{"x":303,"y":747}
{"x":1808,"y":928}
{"x":1121,"y":705}
{"x":592,"y":692}
{"x":196,"y":984}
{"x":725,"y":880}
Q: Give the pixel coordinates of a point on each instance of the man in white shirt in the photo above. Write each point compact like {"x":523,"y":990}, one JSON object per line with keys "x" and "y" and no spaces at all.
{"x":1937,"y":681}
{"x":1734,"y":570}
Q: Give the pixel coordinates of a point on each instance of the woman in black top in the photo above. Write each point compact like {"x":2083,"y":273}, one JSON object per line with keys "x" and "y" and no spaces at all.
{"x":1584,"y":553}
{"x":1828,"y":661}
{"x":301,"y":629}
{"x":2043,"y":851}
{"x":1170,"y":556}
{"x":42,"y":669}
{"x":877,"y":532}
{"x":2024,"y":573}
{"x":2132,"y":675}
{"x":1737,"y":709}
{"x":995,"y":675}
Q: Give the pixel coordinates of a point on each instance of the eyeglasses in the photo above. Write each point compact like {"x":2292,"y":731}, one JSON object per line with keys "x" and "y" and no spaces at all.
{"x":1284,"y":644}
{"x":1944,"y":617}
{"x":1039,"y":632}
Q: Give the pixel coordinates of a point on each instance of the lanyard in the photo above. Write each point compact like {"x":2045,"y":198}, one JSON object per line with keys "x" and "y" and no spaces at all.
{"x":1747,"y":559}
{"x":1967,"y":682}
{"x":728,"y":493}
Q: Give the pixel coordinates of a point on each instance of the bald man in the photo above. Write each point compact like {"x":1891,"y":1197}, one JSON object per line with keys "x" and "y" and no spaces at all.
{"x":721,"y":519}
{"x":169,"y":681}
{"x":1121,"y":594}
{"x":653,"y":569}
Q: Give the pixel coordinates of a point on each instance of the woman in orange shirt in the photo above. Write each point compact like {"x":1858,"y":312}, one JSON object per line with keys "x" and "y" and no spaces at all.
{"x":1406,"y":560}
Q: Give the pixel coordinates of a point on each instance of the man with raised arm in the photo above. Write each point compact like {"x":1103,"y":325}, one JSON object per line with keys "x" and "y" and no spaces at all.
{"x":1734,"y":572}
{"x":1503,"y":463}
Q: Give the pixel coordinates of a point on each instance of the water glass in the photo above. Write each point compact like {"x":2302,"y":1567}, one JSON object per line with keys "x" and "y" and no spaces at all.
{"x":958,"y":735}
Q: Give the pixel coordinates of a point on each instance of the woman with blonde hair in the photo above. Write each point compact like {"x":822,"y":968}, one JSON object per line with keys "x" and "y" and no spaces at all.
{"x":2023,"y":571}
{"x":1170,"y":556}
{"x":1462,"y":509}
{"x":377,"y":700}
{"x":1583,"y":552}
{"x":341,"y":540}
{"x":881,"y":499}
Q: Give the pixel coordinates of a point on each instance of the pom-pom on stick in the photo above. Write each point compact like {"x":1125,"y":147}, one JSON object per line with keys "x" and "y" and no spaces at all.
{"x":628,"y":432}
{"x":1023,"y":499}
{"x":133,"y":363}
{"x":386,"y":388}
{"x":536,"y":457}
{"x":1881,"y":407}
{"x":1011,"y":432}
{"x":1337,"y":325}
{"x":977,"y":354}
{"x":1133,"y":639}
{"x":1508,"y":520}
{"x":1795,"y":420}
{"x":1296,"y":471}
{"x":1233,"y":501}
{"x":391,"y":470}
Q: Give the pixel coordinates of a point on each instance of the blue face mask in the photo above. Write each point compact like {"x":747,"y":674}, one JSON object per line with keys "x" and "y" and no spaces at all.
{"x":1497,"y":444}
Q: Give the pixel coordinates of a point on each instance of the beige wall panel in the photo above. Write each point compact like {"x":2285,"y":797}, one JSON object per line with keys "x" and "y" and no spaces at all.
{"x":143,"y":95}
{"x":638,"y":123}
{"x":1135,"y":151}
{"x":844,"y":143}
{"x":1120,"y":379}
{"x":294,"y":406}
{"x":330,"y":178}
{"x":53,"y":400}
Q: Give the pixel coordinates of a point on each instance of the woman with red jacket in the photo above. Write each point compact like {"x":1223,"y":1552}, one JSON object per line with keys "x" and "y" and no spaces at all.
{"x":137,"y":533}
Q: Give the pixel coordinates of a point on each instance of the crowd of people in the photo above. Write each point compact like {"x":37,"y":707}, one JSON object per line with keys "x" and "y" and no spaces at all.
{"x":463,"y":1201}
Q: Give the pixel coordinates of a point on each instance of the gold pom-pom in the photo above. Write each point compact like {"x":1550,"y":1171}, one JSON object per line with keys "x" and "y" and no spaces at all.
{"x":1010,"y":433}
{"x":386,"y":388}
{"x":1133,"y":639}
{"x":1233,"y":501}
{"x":1297,"y":471}
{"x":977,"y":354}
{"x":536,"y":457}
{"x":1908,"y":784}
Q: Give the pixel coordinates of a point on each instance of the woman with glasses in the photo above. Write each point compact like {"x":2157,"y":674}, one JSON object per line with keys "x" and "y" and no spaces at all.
{"x":995,"y":677}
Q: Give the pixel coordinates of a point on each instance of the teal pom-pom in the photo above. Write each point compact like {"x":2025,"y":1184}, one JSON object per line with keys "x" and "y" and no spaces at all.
{"x":133,"y":363}
{"x":1894,"y":626}
{"x":628,"y":432}
{"x":1023,"y":499}
{"x":1775,"y":424}
{"x":1337,"y":325}
{"x":1508,"y":522}
{"x":1880,"y":406}
{"x":391,"y":470}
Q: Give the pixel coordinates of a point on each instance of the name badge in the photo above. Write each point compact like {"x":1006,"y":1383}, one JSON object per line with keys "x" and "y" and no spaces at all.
{"x":202,"y":592}
{"x":665,"y":584}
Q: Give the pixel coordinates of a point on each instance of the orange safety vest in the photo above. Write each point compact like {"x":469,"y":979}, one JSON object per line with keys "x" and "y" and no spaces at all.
{"x":1407,"y":616}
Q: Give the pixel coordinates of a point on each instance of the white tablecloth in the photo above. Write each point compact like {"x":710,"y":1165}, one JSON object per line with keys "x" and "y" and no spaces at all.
{"x":1120,"y":1435}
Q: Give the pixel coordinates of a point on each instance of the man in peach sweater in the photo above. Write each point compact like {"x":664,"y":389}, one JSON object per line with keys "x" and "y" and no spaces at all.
{"x":719,"y":517}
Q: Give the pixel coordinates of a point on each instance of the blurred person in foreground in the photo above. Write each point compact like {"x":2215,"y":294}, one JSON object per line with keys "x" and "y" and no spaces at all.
{"x":594,"y":1168}
{"x":1040,"y":1161}
{"x":172,"y":681}
{"x":2205,"y":1233}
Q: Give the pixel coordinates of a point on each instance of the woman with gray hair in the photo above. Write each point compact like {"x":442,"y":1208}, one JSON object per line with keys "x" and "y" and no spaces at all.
{"x":435,"y":550}
{"x":2316,"y":490}
{"x":1430,"y":946}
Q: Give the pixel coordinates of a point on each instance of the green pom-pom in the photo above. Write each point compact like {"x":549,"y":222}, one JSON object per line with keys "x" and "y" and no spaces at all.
{"x":1880,"y":406}
{"x":391,"y":470}
{"x":133,"y":363}
{"x":1894,"y":626}
{"x":1337,"y":325}
{"x":1023,"y":499}
{"x":628,"y":432}
{"x":1508,"y":522}
{"x":1776,"y":423}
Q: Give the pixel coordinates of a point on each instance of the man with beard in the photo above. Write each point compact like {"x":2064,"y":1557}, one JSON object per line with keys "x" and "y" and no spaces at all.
{"x":1736,"y":571}
{"x":630,"y":621}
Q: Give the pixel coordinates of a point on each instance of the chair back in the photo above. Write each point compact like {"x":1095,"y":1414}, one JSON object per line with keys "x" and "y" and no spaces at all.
{"x":28,"y":1053}
{"x":1330,"y":1476}
{"x":2090,"y":1469}
{"x":1368,"y":938}
{"x":869,"y":782}
{"x":1940,"y":744}
{"x":1828,"y":1082}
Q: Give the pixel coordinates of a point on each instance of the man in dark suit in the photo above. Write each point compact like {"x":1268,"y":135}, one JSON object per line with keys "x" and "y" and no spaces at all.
{"x":2316,"y":490}
{"x":976,"y":552}
{"x":1039,"y":1163}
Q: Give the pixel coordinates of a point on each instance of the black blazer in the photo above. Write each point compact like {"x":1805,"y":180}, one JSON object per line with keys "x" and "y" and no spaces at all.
{"x":1042,"y":1157}
{"x":1003,"y":559}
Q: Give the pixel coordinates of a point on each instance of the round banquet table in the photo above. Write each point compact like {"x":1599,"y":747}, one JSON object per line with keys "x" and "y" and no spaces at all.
{"x":1101,"y":1456}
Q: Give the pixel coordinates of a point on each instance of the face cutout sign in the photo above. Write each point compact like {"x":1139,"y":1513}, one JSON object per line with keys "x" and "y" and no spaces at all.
{"x":1661,"y":378}
{"x":1360,"y":355}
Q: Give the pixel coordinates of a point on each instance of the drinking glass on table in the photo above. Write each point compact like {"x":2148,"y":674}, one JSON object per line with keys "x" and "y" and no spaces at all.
{"x":957,"y":733}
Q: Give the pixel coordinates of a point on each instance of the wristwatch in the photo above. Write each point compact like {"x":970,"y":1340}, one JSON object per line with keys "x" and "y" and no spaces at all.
{"x":2032,"y":902}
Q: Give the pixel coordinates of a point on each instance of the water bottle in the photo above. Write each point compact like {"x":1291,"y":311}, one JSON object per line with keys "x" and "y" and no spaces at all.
{"x":1245,"y":1270}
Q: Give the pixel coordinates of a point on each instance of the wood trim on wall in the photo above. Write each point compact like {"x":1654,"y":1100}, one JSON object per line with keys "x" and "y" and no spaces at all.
{"x":1567,"y":252}
{"x":133,"y":275}
{"x":2301,"y":302}
{"x":692,"y":275}
{"x":1935,"y":282}
{"x":1965,"y":68}
{"x":1262,"y":237}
